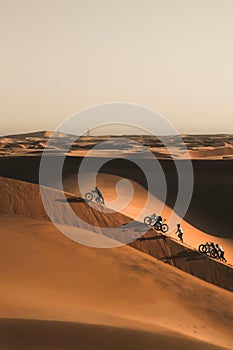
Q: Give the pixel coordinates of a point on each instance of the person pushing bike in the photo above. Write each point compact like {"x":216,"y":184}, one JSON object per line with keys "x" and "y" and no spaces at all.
{"x":221,"y":252}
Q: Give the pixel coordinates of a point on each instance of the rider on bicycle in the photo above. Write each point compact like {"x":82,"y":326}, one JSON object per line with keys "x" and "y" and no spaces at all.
{"x":221,"y":252}
{"x":98,"y":192}
{"x":213,"y":245}
{"x":158,"y":220}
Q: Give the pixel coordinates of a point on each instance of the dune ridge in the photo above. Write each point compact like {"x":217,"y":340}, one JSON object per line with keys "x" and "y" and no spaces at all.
{"x":22,"y":198}
{"x":210,"y":207}
{"x":169,"y":251}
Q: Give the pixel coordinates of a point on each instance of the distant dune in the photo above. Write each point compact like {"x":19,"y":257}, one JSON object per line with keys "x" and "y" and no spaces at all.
{"x":199,"y":146}
{"x":44,"y":134}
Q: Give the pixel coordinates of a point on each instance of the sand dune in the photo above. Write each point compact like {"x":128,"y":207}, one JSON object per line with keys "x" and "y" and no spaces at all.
{"x":56,"y":293}
{"x":212,"y":152}
{"x":199,"y":146}
{"x":23,"y":198}
{"x":46,"y":276}
{"x":193,"y":236}
{"x":210,"y":207}
{"x":66,"y":335}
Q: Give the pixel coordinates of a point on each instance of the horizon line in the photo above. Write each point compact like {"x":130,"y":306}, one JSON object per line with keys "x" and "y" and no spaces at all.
{"x":113,"y":134}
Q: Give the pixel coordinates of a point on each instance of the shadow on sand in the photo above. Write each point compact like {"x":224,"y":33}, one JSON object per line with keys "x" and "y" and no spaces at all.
{"x":152,"y":238}
{"x":71,"y":200}
{"x":187,"y":255}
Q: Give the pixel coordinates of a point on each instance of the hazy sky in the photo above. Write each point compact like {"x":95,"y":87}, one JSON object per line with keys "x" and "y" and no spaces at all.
{"x":60,"y":56}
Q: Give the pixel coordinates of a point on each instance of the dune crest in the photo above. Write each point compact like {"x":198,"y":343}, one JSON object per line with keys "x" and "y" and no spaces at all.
{"x":21,"y":198}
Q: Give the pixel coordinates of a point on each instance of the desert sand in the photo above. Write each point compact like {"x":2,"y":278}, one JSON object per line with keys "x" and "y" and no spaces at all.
{"x":199,"y":146}
{"x":153,"y":294}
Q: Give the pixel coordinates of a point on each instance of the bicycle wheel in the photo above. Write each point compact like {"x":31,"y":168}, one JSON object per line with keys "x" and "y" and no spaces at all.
{"x":88,"y":196}
{"x":214,"y":254}
{"x":153,"y":221}
{"x":147,"y":220}
{"x":202,"y":248}
{"x":208,"y":248}
{"x":158,"y":226}
{"x":164,"y":228}
{"x":99,"y":200}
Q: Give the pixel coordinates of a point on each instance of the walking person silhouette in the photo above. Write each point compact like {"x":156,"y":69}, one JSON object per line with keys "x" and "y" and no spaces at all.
{"x":180,"y":232}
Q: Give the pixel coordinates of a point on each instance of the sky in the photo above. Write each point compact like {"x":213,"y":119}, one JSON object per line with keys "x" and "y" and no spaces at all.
{"x":62,"y":56}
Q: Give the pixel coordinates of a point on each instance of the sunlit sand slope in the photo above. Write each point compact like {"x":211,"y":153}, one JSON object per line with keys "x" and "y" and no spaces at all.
{"x":46,"y":276}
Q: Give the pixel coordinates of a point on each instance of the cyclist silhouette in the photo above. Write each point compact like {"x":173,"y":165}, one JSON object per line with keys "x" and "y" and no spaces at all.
{"x":221,"y":252}
{"x":98,"y":192}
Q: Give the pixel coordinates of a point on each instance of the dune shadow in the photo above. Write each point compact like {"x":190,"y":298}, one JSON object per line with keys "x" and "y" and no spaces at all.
{"x":71,"y":200}
{"x":135,"y":226}
{"x":186,"y":254}
{"x":152,"y":238}
{"x":192,"y":255}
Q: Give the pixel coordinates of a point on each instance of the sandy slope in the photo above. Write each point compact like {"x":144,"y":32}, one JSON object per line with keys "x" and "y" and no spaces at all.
{"x":46,"y":276}
{"x":192,"y":236}
{"x":15,"y":200}
{"x":57,"y":294}
{"x":210,"y":209}
{"x":49,"y":335}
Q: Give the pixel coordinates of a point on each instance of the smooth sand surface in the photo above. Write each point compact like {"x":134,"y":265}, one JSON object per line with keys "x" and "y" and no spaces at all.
{"x":34,"y":334}
{"x":48,"y":277}
{"x":126,"y":294}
